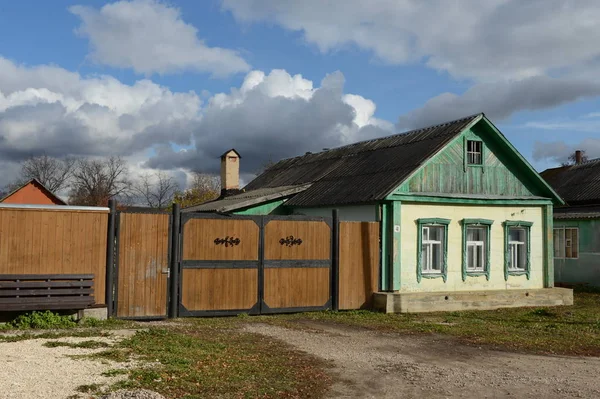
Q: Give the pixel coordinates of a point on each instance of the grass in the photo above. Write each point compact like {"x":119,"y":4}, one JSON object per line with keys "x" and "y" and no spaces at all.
{"x":565,"y":330}
{"x":90,"y":344}
{"x":198,"y":361}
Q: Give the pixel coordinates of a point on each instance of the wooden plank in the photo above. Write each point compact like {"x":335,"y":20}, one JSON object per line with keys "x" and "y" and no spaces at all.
{"x":281,"y":240}
{"x":143,"y":255}
{"x":45,"y":284}
{"x":35,"y":241}
{"x":296,"y":287}
{"x":199,"y":237}
{"x":29,"y":277}
{"x":46,"y":292}
{"x":219,"y":289}
{"x":359,"y":264}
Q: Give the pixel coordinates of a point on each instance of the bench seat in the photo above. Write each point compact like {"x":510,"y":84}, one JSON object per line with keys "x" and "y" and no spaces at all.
{"x":23,"y":292}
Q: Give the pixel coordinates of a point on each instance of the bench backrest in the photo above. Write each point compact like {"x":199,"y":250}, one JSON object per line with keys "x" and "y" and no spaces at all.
{"x":46,"y":291}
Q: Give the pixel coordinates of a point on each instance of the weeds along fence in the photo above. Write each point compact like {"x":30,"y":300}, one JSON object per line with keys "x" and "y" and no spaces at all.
{"x":148,"y":264}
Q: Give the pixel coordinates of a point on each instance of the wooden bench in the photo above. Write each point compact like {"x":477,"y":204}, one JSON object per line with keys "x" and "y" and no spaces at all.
{"x":21,"y":292}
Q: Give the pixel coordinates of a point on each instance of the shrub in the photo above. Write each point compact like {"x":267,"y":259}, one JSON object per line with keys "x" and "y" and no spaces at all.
{"x":43,"y":320}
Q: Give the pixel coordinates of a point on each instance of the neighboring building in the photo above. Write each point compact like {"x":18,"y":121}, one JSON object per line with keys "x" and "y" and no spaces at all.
{"x":32,"y":193}
{"x":577,"y":226}
{"x":464,"y":217}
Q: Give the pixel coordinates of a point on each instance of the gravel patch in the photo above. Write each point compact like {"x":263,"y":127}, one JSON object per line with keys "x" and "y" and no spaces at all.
{"x":379,"y":365}
{"x":30,"y":370}
{"x":133,"y":394}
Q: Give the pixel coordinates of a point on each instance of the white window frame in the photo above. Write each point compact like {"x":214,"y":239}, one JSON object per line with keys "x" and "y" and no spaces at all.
{"x":475,"y":244}
{"x":514,"y":247}
{"x":474,"y":156}
{"x":562,"y":231}
{"x":427,"y":268}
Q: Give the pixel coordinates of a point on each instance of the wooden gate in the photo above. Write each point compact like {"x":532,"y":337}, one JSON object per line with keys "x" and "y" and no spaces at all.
{"x":142,"y":261}
{"x":219,"y":265}
{"x":254,"y":264}
{"x":297,"y":264}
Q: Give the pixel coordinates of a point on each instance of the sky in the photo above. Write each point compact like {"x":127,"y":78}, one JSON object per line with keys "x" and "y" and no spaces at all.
{"x":171,"y":85}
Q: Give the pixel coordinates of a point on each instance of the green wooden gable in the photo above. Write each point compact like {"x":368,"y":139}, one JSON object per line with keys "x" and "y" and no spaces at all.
{"x":503,"y":172}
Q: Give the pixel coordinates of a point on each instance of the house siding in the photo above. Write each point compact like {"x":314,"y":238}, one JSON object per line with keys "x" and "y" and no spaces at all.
{"x":411,"y":212}
{"x":448,"y":173}
{"x":586,"y":268}
{"x":274,"y":207}
{"x":30,"y":194}
{"x":356,"y":213}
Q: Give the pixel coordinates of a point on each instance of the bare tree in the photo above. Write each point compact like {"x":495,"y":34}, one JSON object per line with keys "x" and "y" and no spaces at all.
{"x":203,"y":188}
{"x":157,"y":190}
{"x":95,"y":181}
{"x":572,"y":160}
{"x":53,"y":173}
{"x":264,"y":166}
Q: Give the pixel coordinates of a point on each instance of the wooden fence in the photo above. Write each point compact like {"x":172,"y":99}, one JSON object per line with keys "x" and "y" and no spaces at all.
{"x":211,"y":265}
{"x":55,"y":240}
{"x":359,"y":264}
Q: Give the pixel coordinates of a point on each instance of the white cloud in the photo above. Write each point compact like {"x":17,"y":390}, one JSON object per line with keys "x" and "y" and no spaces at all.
{"x":276,"y":116}
{"x":48,"y":110}
{"x":271,"y":115}
{"x":151,"y":37}
{"x":480,"y":40}
{"x":499,"y":100}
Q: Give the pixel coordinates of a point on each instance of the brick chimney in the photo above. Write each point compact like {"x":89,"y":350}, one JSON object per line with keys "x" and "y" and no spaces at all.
{"x":230,"y":173}
{"x":578,"y":157}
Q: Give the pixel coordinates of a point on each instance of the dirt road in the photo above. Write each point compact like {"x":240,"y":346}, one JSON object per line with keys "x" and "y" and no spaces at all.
{"x":378,"y":365}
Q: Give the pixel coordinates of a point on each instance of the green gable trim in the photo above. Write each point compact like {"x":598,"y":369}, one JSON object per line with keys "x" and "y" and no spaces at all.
{"x":407,"y":197}
{"x":527,"y":226}
{"x":444,"y":272}
{"x":503,"y":171}
{"x":476,"y":222}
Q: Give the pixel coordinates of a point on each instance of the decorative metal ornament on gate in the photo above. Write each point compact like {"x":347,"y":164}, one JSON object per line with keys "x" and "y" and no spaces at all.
{"x":290,"y":241}
{"x":227,"y":241}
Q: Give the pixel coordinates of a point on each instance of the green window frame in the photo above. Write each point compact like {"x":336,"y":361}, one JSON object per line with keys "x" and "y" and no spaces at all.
{"x":511,"y":248}
{"x":438,"y":223}
{"x":485,"y":224}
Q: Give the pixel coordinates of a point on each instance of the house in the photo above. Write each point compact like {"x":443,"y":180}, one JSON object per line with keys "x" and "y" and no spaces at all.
{"x":577,"y":226}
{"x":32,"y":193}
{"x":466,"y":222}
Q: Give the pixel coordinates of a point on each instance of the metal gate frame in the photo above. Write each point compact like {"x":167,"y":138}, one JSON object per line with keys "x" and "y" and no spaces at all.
{"x":260,"y":307}
{"x":117,"y":238}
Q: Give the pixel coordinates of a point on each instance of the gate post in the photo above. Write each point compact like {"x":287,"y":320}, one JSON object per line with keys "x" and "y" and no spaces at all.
{"x":110,"y":258}
{"x":335,"y":260}
{"x":174,"y":263}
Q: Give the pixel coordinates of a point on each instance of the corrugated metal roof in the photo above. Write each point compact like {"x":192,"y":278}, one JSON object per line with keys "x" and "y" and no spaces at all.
{"x":360,"y":172}
{"x":577,"y":184}
{"x":576,"y":215}
{"x":577,"y":212}
{"x":247,"y":198}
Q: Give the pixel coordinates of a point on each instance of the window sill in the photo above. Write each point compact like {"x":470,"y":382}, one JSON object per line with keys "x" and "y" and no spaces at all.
{"x":475,"y":165}
{"x":474,"y":273}
{"x":432,"y":275}
{"x":516,"y":272}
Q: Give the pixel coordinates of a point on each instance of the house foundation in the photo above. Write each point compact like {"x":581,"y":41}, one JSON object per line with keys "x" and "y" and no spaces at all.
{"x":419,"y":302}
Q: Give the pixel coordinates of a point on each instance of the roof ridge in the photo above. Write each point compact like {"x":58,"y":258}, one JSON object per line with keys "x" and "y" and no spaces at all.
{"x":414,"y":131}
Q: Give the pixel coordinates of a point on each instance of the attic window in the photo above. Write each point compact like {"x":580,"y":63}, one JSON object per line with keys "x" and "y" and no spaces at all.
{"x":474,"y":152}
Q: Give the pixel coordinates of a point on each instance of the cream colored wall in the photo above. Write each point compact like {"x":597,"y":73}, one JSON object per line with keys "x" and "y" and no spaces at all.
{"x":410,"y":212}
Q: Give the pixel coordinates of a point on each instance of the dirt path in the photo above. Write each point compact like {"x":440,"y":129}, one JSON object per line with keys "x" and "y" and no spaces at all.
{"x":378,"y":365}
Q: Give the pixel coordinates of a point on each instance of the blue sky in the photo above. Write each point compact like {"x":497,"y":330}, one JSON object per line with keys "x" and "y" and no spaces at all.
{"x":168,"y":85}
